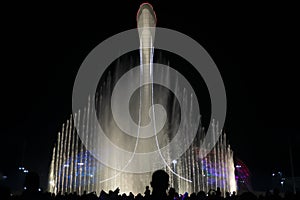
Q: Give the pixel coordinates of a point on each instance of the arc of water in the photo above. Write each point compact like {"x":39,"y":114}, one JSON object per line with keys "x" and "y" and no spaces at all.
{"x":154,"y":121}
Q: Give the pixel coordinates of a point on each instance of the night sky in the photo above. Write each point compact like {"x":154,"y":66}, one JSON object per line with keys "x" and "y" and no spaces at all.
{"x":253,"y":45}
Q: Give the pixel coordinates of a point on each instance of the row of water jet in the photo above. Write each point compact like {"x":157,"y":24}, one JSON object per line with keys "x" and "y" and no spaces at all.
{"x":207,"y":169}
{"x":75,"y":169}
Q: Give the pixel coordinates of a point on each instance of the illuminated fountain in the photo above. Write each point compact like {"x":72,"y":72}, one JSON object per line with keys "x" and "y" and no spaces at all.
{"x":75,"y":168}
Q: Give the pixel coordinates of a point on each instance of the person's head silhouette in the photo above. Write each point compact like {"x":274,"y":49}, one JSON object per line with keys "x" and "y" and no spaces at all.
{"x":159,"y":183}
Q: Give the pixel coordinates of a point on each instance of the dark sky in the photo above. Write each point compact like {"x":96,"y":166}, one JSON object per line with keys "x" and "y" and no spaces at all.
{"x":253,"y":45}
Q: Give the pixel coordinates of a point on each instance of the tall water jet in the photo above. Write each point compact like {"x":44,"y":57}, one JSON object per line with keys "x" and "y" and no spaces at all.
{"x":146,"y":22}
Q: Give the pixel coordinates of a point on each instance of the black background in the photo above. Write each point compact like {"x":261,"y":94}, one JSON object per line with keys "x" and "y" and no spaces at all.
{"x":254,"y":46}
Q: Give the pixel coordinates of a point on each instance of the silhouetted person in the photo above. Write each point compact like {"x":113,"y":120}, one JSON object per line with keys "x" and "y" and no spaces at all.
{"x":185,"y":196}
{"x":193,"y":196}
{"x":147,"y":193}
{"x":233,"y":196}
{"x":227,"y":196}
{"x":201,"y":195}
{"x":159,"y":184}
{"x":171,"y":193}
{"x":131,"y":196}
{"x":138,"y":197}
{"x":218,"y":193}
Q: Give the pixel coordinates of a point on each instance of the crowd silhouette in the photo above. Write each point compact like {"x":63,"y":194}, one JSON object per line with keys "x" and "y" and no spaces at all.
{"x":160,"y":191}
